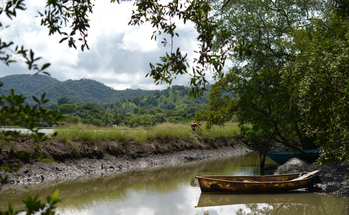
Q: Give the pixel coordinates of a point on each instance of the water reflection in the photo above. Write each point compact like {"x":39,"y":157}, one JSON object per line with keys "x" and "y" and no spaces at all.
{"x":272,"y":204}
{"x":82,"y":192}
{"x":324,"y":206}
{"x":167,"y":190}
{"x":304,"y":198}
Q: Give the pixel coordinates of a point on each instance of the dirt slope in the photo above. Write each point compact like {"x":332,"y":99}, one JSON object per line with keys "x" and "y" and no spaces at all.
{"x":85,"y":157}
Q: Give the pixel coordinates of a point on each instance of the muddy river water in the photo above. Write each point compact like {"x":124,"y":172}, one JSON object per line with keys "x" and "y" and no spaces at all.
{"x":172,"y":190}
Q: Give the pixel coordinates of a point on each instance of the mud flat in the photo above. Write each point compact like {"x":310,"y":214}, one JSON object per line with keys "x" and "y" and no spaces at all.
{"x":334,"y":179}
{"x":81,"y":158}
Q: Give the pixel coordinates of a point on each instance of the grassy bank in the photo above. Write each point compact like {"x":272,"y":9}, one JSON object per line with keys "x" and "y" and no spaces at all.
{"x":82,"y":132}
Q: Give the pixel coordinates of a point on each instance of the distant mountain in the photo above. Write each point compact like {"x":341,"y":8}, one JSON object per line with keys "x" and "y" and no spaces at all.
{"x":27,"y":83}
{"x":82,"y":91}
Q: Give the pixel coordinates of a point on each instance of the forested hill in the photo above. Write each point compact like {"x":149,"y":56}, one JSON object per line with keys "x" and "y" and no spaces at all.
{"x":170,"y":105}
{"x":27,"y":83}
{"x":91,"y":102}
{"x":81,"y":91}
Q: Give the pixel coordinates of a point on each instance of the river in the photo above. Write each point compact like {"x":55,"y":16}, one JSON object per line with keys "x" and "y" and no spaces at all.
{"x":27,"y":131}
{"x":171,"y":190}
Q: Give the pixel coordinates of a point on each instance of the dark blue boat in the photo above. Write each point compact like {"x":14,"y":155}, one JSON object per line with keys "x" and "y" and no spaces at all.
{"x":283,"y":157}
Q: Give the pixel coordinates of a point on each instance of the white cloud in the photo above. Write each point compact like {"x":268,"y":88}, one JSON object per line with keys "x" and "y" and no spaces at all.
{"x":110,"y":18}
{"x":119,"y":54}
{"x":139,"y":40}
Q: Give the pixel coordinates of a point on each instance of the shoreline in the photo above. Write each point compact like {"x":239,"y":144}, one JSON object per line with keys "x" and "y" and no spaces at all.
{"x":48,"y":171}
{"x":86,"y":158}
{"x":104,"y":157}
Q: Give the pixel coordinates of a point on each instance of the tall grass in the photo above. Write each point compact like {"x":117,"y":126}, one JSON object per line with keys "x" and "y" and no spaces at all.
{"x":230,"y":130}
{"x":83,"y":132}
{"x":164,"y":131}
{"x":169,"y":130}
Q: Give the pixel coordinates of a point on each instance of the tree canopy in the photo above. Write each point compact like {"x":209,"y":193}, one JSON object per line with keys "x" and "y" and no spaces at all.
{"x":318,"y":79}
{"x":288,"y":80}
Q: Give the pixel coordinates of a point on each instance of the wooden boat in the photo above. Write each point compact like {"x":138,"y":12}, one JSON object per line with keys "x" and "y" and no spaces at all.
{"x":284,"y":156}
{"x":256,"y":184}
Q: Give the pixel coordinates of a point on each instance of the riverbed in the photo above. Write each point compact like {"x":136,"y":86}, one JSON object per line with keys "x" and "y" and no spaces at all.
{"x":171,"y":189}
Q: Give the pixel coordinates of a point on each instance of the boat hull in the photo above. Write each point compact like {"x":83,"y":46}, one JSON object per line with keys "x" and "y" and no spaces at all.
{"x":253,"y":184}
{"x":284,"y":156}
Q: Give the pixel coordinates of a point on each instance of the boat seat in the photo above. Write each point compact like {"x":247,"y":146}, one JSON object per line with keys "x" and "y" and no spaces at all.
{"x":250,"y":181}
{"x":305,"y":175}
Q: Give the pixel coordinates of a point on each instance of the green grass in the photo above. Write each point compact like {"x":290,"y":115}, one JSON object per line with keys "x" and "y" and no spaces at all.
{"x":228,"y":131}
{"x":165,"y":131}
{"x":83,"y":132}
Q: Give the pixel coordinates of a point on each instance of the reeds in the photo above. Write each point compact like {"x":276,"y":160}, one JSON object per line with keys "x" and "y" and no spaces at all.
{"x":230,"y":130}
{"x":83,"y":132}
{"x":164,"y":131}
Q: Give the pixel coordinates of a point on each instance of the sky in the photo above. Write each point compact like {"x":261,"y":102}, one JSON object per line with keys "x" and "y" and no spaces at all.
{"x":119,"y":54}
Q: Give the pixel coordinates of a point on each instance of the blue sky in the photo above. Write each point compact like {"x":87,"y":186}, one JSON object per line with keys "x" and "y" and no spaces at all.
{"x":119,"y":54}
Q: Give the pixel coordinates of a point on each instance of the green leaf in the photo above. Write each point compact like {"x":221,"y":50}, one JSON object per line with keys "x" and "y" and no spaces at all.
{"x":43,"y":96}
{"x":31,"y":54}
{"x":35,"y":99}
{"x":45,"y":66}
{"x":55,"y":194}
{"x":10,"y":209}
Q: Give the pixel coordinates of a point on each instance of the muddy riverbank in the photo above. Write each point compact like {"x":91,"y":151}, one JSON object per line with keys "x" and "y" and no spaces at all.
{"x":334,"y":179}
{"x":81,"y":158}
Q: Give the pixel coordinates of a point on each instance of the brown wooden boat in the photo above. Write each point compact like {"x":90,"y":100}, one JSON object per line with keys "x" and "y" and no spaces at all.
{"x":256,"y":184}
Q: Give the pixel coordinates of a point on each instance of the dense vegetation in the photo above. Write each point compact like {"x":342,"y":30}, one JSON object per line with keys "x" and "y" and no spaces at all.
{"x":289,"y":76}
{"x":170,"y":105}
